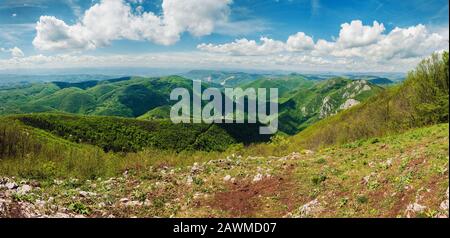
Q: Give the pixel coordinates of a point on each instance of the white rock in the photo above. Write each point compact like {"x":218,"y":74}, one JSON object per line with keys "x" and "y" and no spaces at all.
{"x":197,"y":195}
{"x":189,"y":180}
{"x":11,"y":185}
{"x":310,"y":208}
{"x":366,"y":179}
{"x":366,"y":88}
{"x":40,"y":203}
{"x":444,"y":205}
{"x":295,"y":156}
{"x":414,"y":208}
{"x":147,"y":203}
{"x":133,"y":203}
{"x":124,"y":200}
{"x":349,"y":103}
{"x":24,"y":189}
{"x":258,"y":178}
{"x":195,"y":168}
{"x":61,"y":215}
{"x":418,"y":208}
{"x":87,"y":194}
{"x":389,"y":162}
{"x":227,"y":178}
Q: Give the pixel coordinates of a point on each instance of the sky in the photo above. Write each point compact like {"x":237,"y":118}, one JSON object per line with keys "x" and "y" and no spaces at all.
{"x":292,"y":35}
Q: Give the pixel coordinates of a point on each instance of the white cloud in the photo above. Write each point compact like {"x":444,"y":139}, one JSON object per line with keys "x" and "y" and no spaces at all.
{"x":295,"y":43}
{"x":245,"y":47}
{"x":356,"y":34}
{"x":358,"y":46}
{"x":415,"y":41}
{"x":323,"y":47}
{"x":398,"y":50}
{"x":300,"y":42}
{"x":186,"y":60}
{"x":115,"y":19}
{"x":15,"y":52}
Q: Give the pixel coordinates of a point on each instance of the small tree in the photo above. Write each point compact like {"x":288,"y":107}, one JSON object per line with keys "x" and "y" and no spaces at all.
{"x":430,"y":83}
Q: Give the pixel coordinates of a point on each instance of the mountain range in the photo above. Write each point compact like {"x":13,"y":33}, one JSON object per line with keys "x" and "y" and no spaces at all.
{"x":302,"y":100}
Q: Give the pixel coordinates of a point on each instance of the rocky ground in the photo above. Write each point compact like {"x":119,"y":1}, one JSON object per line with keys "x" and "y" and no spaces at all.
{"x":398,"y":176}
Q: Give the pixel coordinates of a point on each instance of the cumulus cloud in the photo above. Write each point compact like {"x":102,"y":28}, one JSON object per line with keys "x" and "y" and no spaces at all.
{"x":179,"y":60}
{"x":369,"y":50}
{"x":15,"y":52}
{"x":197,"y":59}
{"x":300,"y":42}
{"x":356,"y":34}
{"x":356,"y":43}
{"x":115,"y":19}
{"x":415,"y":41}
{"x":245,"y":47}
{"x":295,"y":43}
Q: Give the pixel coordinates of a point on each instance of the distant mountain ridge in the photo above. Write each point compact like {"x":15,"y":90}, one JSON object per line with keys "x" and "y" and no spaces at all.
{"x":223,"y":78}
{"x":302,"y":100}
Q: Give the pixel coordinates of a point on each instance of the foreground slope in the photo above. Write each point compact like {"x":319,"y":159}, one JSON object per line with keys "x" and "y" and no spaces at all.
{"x":398,"y":176}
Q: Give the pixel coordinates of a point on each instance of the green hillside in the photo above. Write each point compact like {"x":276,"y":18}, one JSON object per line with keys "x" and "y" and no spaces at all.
{"x":162,"y":112}
{"x":222,"y":78}
{"x":307,"y":105}
{"x":285,"y":84}
{"x":300,"y":99}
{"x":421,"y":100}
{"x":125,"y":97}
{"x":126,"y":135}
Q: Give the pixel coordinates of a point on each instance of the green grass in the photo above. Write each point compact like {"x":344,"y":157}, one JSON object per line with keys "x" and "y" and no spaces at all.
{"x":366,"y":178}
{"x":45,"y":146}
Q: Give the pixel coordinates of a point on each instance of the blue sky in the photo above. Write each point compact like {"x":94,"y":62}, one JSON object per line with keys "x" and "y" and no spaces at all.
{"x":216,"y":45}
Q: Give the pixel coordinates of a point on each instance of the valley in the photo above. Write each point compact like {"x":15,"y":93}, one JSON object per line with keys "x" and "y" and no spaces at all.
{"x":346,"y":147}
{"x":303,"y":101}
